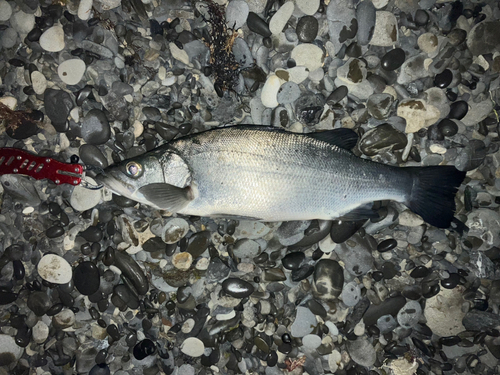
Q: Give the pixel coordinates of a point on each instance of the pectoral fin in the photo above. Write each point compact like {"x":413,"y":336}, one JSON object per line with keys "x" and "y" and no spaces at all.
{"x":166,"y":196}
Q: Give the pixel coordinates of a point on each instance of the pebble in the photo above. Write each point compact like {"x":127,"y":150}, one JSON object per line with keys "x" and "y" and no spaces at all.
{"x":95,"y":127}
{"x":193,"y":347}
{"x":9,"y":352}
{"x":258,"y":25}
{"x":5,"y":11}
{"x":418,"y":114}
{"x":71,"y":71}
{"x":86,"y":278}
{"x":292,"y":261}
{"x":236,"y":13}
{"x":58,"y":104}
{"x":246,"y":248}
{"x":458,"y":110}
{"x":237,"y":288}
{"x":366,"y":16}
{"x":444,"y":312}
{"x":54,"y":269}
{"x":281,"y":17}
{"x":39,"y":303}
{"x":362,"y":351}
{"x":270,"y":91}
{"x":328,"y":279}
{"x":39,"y":82}
{"x":52,"y":39}
{"x":40,"y":332}
{"x":393,"y":59}
{"x":64,"y":319}
{"x":351,"y":294}
{"x":410,"y":314}
{"x":8,"y":38}
{"x":84,"y":9}
{"x":132,"y":271}
{"x":382,"y":138}
{"x":386,"y":32}
{"x":174,"y":230}
{"x":22,"y":22}
{"x":83,"y":199}
{"x":307,"y":29}
{"x":182,"y":261}
{"x":288,"y":93}
{"x":308,"y":55}
{"x":290,"y":233}
{"x":304,"y":322}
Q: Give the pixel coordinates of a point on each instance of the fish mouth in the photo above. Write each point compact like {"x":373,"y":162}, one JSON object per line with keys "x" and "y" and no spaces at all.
{"x":116,"y":185}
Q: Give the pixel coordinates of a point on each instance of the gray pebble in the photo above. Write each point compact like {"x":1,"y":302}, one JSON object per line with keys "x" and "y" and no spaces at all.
{"x":95,"y":127}
{"x":288,"y":93}
{"x":307,"y":29}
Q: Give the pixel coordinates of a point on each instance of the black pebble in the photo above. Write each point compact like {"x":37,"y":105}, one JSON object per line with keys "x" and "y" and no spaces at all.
{"x":143,"y":349}
{"x":19,"y":270}
{"x":421,"y":17}
{"x":393,"y":59}
{"x":258,"y":25}
{"x":342,"y":230}
{"x":100,"y":369}
{"x":7,"y":297}
{"x":86,"y":278}
{"x":387,"y":245}
{"x":443,"y":80}
{"x":449,"y":340}
{"x":92,"y":234}
{"x":420,"y":271}
{"x":237,"y":288}
{"x":307,"y":29}
{"x":447,"y":127}
{"x":458,"y":110}
{"x":302,"y":273}
{"x":292,"y":261}
{"x":451,"y":282}
{"x":389,"y":270}
{"x":55,"y":231}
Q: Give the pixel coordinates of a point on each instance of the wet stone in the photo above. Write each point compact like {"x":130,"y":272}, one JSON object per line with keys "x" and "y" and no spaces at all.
{"x":292,"y":261}
{"x":54,"y":232}
{"x":447,"y":127}
{"x":366,"y":16}
{"x":302,"y":273}
{"x":144,"y":349}
{"x":389,"y":306}
{"x":387,"y":245}
{"x":237,"y":288}
{"x":291,"y":232}
{"x":337,"y":95}
{"x":443,"y":80}
{"x":258,"y":25}
{"x":307,"y":29}
{"x":86,"y":278}
{"x":451,"y":282}
{"x":92,"y":234}
{"x":389,"y":270}
{"x":217,"y":270}
{"x":317,"y":308}
{"x":132,"y":271}
{"x":39,"y":303}
{"x":419,"y":271}
{"x":328,"y":279}
{"x":198,"y":243}
{"x":64,"y":319}
{"x":383,"y":137}
{"x":379,"y":105}
{"x":7,"y":297}
{"x":95,"y":127}
{"x":246,"y":248}
{"x":91,"y":155}
{"x":58,"y":104}
{"x":458,"y":110}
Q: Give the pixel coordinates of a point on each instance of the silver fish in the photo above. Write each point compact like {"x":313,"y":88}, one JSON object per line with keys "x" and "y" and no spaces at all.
{"x":268,"y":174}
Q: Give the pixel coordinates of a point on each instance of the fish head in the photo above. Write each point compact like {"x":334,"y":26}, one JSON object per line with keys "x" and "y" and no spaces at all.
{"x":129,"y":176}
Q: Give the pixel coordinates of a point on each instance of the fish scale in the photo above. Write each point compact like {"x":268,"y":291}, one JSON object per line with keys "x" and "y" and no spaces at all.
{"x":273,"y":175}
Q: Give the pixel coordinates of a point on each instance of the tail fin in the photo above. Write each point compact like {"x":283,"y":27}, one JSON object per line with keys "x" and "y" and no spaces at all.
{"x":433,"y":193}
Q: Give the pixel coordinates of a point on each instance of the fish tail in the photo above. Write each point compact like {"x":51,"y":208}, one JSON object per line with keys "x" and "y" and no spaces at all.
{"x":433,"y":193}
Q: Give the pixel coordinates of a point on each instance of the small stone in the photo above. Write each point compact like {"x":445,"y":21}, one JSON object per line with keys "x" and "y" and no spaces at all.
{"x":9,"y":351}
{"x":174,"y":230}
{"x":58,"y":104}
{"x":182,"y":261}
{"x":366,"y":16}
{"x":292,"y":261}
{"x":304,"y":323}
{"x":236,"y":14}
{"x":483,"y":38}
{"x":270,"y":91}
{"x":458,"y":110}
{"x":307,"y":29}
{"x":428,"y":43}
{"x":361,"y":351}
{"x":83,"y":199}
{"x":198,"y":243}
{"x":246,"y":248}
{"x":385,"y":33}
{"x":477,"y":112}
{"x":351,"y":294}
{"x":308,"y":55}
{"x":39,"y":82}
{"x":237,"y":288}
{"x":84,"y":9}
{"x":421,"y":17}
{"x":22,"y":22}
{"x":281,"y":17}
{"x":38,"y":302}
{"x":342,"y":230}
{"x":309,"y":108}
{"x":291,"y":232}
{"x":71,"y":71}
{"x":91,"y":155}
{"x":308,"y":7}
{"x":393,"y":59}
{"x":8,"y":38}
{"x":132,"y":271}
{"x":95,"y":127}
{"x":86,"y":278}
{"x":311,"y":342}
{"x":54,"y":269}
{"x":40,"y":332}
{"x":410,"y":219}
{"x":5,"y":11}
{"x":179,"y":54}
{"x":386,"y":323}
{"x":382,"y":138}
{"x":64,"y":319}
{"x":471,"y":156}
{"x":193,"y":347}
{"x":380,"y":105}
{"x":258,"y":25}
{"x":288,"y":93}
{"x":476,"y":320}
{"x":443,"y":79}
{"x":52,"y":39}
{"x":410,"y":314}
{"x":444,"y":312}
{"x":448,"y":127}
{"x":328,"y":279}
{"x":418,"y":114}
{"x":144,"y":349}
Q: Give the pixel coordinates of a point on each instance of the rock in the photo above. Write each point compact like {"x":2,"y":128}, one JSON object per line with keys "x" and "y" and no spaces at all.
{"x":390,"y":306}
{"x":418,"y":114}
{"x":84,"y":9}
{"x":311,"y":342}
{"x":91,"y":155}
{"x":458,"y":110}
{"x":143,"y":349}
{"x":71,"y":71}
{"x":308,"y":7}
{"x":270,"y":90}
{"x":237,"y":288}
{"x":380,"y":105}
{"x":236,"y":14}
{"x":54,"y":269}
{"x":182,"y":261}
{"x":174,"y":230}
{"x":6,"y":11}
{"x":292,"y":261}
{"x":246,"y":249}
{"x":258,"y":25}
{"x":288,"y":93}
{"x":386,"y":323}
{"x":342,"y":22}
{"x":132,"y":271}
{"x":86,"y":278}
{"x":356,"y":255}
{"x":476,"y":320}
{"x":179,"y":54}
{"x":58,"y":104}
{"x":412,"y":69}
{"x":410,"y":314}
{"x":198,"y":243}
{"x":95,"y":127}
{"x":444,"y":312}
{"x":291,"y":232}
{"x":366,"y":17}
{"x":40,"y":332}
{"x":109,"y":4}
{"x":38,"y":302}
{"x":217,"y":270}
{"x":351,"y":294}
{"x":52,"y":39}
{"x":484,"y":224}
{"x":410,"y":219}
{"x":304,"y":323}
{"x":281,"y":17}
{"x":309,"y":108}
{"x":192,"y":347}
{"x":393,"y":59}
{"x":428,"y":43}
{"x":477,"y":112}
{"x":22,"y":22}
{"x":328,"y":279}
{"x":64,"y":319}
{"x":483,"y":38}
{"x":471,"y":156}
{"x":9,"y":351}
{"x":307,"y":29}
{"x":361,"y":351}
{"x":353,"y":75}
{"x":8,"y":38}
{"x":385,"y":33}
{"x":308,"y":55}
{"x":39,"y":82}
{"x":83,"y":199}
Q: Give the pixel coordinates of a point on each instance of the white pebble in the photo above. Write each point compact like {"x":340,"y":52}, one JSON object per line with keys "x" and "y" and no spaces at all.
{"x":270,"y":91}
{"x":83,"y":199}
{"x":28,"y":210}
{"x":182,"y":261}
{"x":84,"y":9}
{"x":40,"y":332}
{"x":236,"y":14}
{"x":308,"y":55}
{"x":193,"y":347}
{"x":52,"y":40}
{"x":308,"y":7}
{"x":71,"y":71}
{"x":5,"y":11}
{"x":311,"y":341}
{"x":22,"y":22}
{"x":179,"y":54}
{"x":55,"y":269}
{"x":39,"y":82}
{"x":9,"y":350}
{"x":281,"y":17}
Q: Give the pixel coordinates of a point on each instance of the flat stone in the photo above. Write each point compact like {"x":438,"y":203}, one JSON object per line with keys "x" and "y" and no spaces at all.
{"x":270,"y":90}
{"x":342,"y":22}
{"x":361,"y":351}
{"x":385,"y":33}
{"x":418,"y":114}
{"x":308,"y":7}
{"x":84,"y":9}
{"x":236,"y":13}
{"x":444,"y":312}
{"x":174,"y":230}
{"x":55,"y":269}
{"x":182,"y":261}
{"x":307,"y":29}
{"x":52,"y":39}
{"x":40,"y":332}
{"x":179,"y":54}
{"x":288,"y":93}
{"x":366,"y":16}
{"x":95,"y":127}
{"x":10,"y":352}
{"x":5,"y":11}
{"x":71,"y":71}
{"x":304,"y":323}
{"x":281,"y":17}
{"x":64,"y":319}
{"x":83,"y":199}
{"x":38,"y":82}
{"x":483,"y":38}
{"x":308,"y":55}
{"x":22,"y":22}
{"x":193,"y":347}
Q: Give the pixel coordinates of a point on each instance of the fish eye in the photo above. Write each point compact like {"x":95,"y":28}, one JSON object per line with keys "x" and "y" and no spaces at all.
{"x":133,"y":169}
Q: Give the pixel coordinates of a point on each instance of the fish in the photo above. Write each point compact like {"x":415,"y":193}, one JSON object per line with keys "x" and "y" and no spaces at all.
{"x":269,"y":174}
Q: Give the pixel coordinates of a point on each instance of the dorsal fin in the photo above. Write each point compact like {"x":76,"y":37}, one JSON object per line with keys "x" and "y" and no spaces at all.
{"x":343,"y":138}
